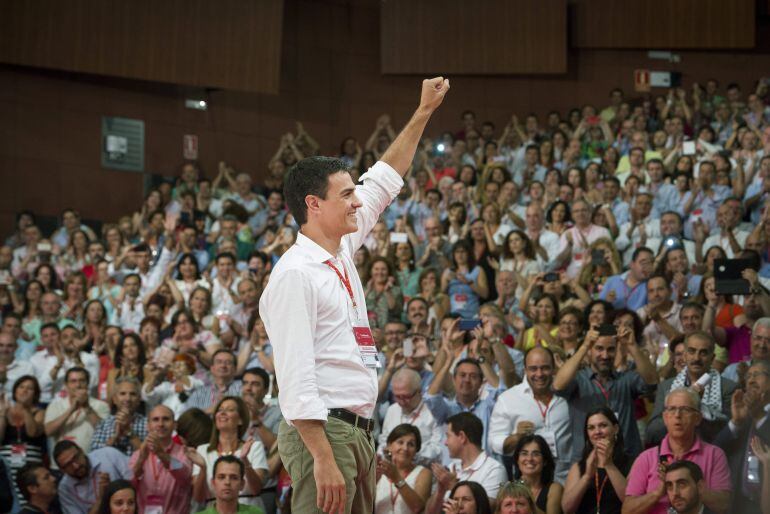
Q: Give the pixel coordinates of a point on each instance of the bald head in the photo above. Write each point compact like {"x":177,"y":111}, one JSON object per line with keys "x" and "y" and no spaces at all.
{"x":407,"y":377}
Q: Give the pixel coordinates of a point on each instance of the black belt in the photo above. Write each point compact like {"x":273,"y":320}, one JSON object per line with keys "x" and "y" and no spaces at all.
{"x":365,"y":424}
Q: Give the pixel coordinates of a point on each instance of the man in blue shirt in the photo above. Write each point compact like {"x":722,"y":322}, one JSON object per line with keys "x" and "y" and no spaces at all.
{"x":628,"y":289}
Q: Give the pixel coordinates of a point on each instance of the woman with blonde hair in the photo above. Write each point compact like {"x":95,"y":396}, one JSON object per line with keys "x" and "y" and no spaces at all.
{"x":514,"y":498}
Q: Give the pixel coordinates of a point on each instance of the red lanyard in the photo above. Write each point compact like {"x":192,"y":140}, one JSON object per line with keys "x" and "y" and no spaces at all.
{"x":416,"y":414}
{"x":543,"y":411}
{"x":599,"y":489}
{"x":605,"y":392}
{"x":345,"y":280}
{"x":393,"y":497}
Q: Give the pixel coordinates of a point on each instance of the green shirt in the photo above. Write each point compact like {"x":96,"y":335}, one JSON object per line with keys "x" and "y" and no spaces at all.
{"x":247,"y":509}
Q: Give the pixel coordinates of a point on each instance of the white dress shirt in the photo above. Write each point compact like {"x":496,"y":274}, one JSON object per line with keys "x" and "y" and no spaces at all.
{"x":43,"y":363}
{"x":579,"y":250}
{"x":309,"y":317}
{"x":716,"y":239}
{"x":485,"y":471}
{"x":431,"y":433}
{"x":518,"y":404}
{"x":15,"y":370}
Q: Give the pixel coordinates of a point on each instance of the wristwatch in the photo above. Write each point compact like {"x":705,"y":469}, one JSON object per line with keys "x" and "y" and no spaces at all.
{"x":401,"y":483}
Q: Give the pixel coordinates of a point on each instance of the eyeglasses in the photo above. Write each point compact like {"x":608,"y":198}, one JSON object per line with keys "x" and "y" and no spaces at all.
{"x":680,"y":410}
{"x":405,"y":397}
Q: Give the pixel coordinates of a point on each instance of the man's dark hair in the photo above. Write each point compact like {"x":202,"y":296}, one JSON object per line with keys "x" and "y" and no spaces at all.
{"x":655,"y":161}
{"x":225,"y":255}
{"x":261,"y":373}
{"x":469,"y":424}
{"x":26,"y":477}
{"x":228,"y":352}
{"x":695,"y":472}
{"x":52,"y":325}
{"x":228,"y":459}
{"x":468,"y":360}
{"x":141,"y":247}
{"x":76,"y":369}
{"x":64,"y":445}
{"x":309,"y":176}
{"x":612,"y":179}
{"x":641,"y":250}
{"x":532,"y":147}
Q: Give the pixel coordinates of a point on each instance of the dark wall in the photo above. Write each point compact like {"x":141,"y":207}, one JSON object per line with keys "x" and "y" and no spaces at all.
{"x":330,"y":80}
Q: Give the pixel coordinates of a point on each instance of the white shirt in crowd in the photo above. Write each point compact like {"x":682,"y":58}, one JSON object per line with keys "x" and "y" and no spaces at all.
{"x":431,"y":433}
{"x":485,"y":470}
{"x":43,"y":363}
{"x":551,"y":421}
{"x":308,"y":316}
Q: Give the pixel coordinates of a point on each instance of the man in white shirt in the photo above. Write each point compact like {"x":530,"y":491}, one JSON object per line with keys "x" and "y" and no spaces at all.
{"x":463,"y":439}
{"x":314,"y":311}
{"x":10,"y":368}
{"x":410,"y":408}
{"x":531,"y":407}
{"x":575,"y":242}
{"x":730,"y":238}
{"x":635,"y":233}
{"x":546,"y":243}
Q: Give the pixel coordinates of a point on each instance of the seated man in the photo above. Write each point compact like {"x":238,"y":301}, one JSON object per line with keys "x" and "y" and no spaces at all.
{"x":646,"y":491}
{"x":126,"y":429}
{"x":751,"y":476}
{"x":86,"y":476}
{"x":715,"y":395}
{"x":463,"y":439}
{"x":685,"y":487}
{"x":38,"y":487}
{"x":226,"y":481}
{"x":11,"y":368}
{"x":223,"y":383}
{"x":410,"y":408}
{"x":74,"y":416}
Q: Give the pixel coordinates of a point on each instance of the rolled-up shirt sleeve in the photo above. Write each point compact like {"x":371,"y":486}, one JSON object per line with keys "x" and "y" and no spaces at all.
{"x":378,"y":187}
{"x":289,"y":313}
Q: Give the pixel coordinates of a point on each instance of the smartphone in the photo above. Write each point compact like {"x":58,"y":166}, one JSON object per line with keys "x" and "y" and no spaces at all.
{"x":551,"y":277}
{"x":608,"y":330}
{"x":5,"y":278}
{"x":398,"y":237}
{"x":469,"y":324}
{"x":408,"y":347}
{"x":672,"y":242}
{"x":44,"y":247}
{"x":597,"y":257}
{"x":592,"y":120}
{"x":688,"y":148}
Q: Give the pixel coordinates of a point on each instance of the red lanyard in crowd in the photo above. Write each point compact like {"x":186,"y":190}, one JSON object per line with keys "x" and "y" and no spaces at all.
{"x":604,"y":391}
{"x":543,"y":411}
{"x":599,"y":489}
{"x":345,"y":280}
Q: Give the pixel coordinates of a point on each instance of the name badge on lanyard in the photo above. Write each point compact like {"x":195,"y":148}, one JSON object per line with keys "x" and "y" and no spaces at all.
{"x":361,"y":331}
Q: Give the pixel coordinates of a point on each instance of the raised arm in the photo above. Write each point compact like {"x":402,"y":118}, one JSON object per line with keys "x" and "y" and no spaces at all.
{"x":400,"y":153}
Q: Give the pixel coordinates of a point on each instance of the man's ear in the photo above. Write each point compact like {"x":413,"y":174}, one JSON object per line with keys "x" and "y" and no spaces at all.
{"x":313,"y":203}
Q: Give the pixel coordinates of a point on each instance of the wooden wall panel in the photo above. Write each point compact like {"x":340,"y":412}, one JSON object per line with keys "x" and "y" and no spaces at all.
{"x":232,"y":44}
{"x":663,"y":24}
{"x":484,"y":37}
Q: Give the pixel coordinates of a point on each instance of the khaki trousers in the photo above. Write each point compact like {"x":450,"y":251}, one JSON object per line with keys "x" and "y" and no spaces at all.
{"x":353,"y":451}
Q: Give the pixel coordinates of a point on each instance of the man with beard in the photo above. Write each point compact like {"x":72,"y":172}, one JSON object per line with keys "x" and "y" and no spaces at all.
{"x":86,"y":476}
{"x":599,"y":384}
{"x":684,"y":487}
{"x":417,"y":315}
{"x":715,"y":393}
{"x":746,"y":441}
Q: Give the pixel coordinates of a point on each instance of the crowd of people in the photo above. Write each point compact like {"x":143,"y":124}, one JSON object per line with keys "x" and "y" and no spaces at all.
{"x":547,"y":299}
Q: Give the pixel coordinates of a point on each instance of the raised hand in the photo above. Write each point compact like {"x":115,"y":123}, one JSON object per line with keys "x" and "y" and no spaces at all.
{"x":433,"y":92}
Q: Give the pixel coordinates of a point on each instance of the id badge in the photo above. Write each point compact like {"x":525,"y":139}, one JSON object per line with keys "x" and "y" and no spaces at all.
{"x":154,"y":505}
{"x":366,"y":347}
{"x":18,"y":455}
{"x":550,"y":438}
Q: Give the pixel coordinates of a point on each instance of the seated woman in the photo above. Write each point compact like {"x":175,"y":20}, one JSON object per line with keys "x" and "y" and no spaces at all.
{"x":402,"y":485}
{"x":597,"y":482}
{"x":467,"y":498}
{"x":515,"y":498}
{"x":545,"y":329}
{"x":534,"y":465}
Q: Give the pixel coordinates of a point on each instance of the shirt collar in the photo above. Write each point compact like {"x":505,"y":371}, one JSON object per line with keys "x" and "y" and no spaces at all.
{"x":480,"y":460}
{"x":665,"y":449}
{"x":313,"y":249}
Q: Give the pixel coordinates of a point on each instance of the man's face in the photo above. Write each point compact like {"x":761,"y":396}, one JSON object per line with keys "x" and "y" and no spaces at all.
{"x":223,"y":367}
{"x":74,"y":463}
{"x":406,"y":396}
{"x":680,"y":416}
{"x":142,"y":260}
{"x":248,"y":292}
{"x":12,"y":326}
{"x":458,"y":191}
{"x":683,"y":492}
{"x":454,"y":442}
{"x":534,"y":218}
{"x":760,"y":343}
{"x":580,"y":213}
{"x":96,"y":251}
{"x":642,"y":266}
{"x":7,"y":347}
{"x":699,"y":354}
{"x":611,"y":190}
{"x":636,"y":157}
{"x":337,"y":212}
{"x":228,"y":228}
{"x":691,"y":320}
{"x":227,"y":481}
{"x":49,"y":337}
{"x":467,"y":379}
{"x":132,"y":285}
{"x":253,"y":386}
{"x":677,"y":261}
{"x":669,"y":225}
{"x":161,"y":422}
{"x":603,"y":354}
{"x":655,"y":171}
{"x":417,"y":312}
{"x":657,"y":291}
{"x":432,"y":228}
{"x":506,"y":283}
{"x":49,"y":304}
{"x":225,"y":266}
{"x":69,"y":339}
{"x":126,"y":396}
{"x":394,"y":334}
{"x":643,"y":205}
{"x":539,"y":370}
